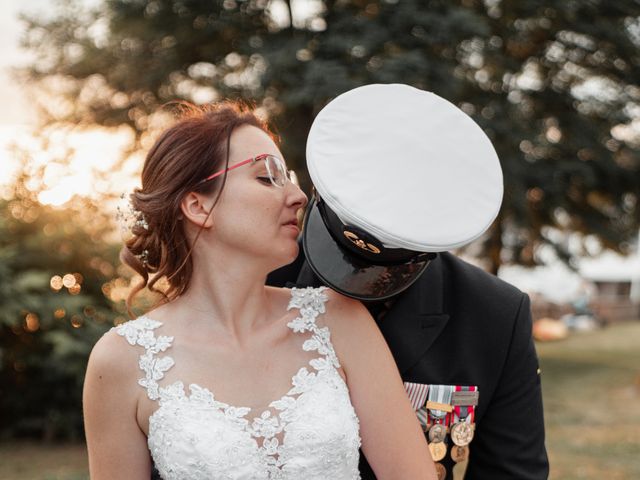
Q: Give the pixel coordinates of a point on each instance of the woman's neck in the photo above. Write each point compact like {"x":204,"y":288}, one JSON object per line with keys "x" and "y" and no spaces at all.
{"x":228,"y":295}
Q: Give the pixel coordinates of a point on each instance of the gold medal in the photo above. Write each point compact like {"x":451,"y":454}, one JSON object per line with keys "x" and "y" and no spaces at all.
{"x":437,"y":433}
{"x":459,"y":454}
{"x":441,"y":471}
{"x":462,"y":433}
{"x":438,"y":451}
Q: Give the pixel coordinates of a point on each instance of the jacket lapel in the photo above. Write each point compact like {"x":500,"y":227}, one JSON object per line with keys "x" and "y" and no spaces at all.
{"x":416,"y":318}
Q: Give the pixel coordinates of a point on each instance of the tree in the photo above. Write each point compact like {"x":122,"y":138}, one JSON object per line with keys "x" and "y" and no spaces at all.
{"x":55,"y":273}
{"x":553,"y":83}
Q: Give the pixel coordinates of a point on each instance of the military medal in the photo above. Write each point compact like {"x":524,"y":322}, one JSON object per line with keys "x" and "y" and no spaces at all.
{"x":462,"y":433}
{"x":459,"y":454}
{"x":439,"y":407}
{"x":449,"y":409}
{"x":437,"y":433}
{"x":438,"y":451}
{"x":464,"y":401}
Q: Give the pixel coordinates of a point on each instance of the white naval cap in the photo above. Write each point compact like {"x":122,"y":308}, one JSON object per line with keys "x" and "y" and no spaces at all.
{"x":399,"y":174}
{"x":406,"y":166}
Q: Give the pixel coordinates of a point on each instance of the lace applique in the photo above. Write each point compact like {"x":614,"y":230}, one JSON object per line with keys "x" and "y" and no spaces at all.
{"x":319,"y":426}
{"x":140,"y":332}
{"x":311,"y":302}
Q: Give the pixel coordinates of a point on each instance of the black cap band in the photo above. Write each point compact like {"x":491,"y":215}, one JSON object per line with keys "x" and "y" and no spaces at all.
{"x":364,"y":245}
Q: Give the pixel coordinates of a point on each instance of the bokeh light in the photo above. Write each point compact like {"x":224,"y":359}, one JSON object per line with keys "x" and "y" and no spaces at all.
{"x":69,"y":280}
{"x":31,"y":322}
{"x":56,"y":282}
{"x":77,"y":321}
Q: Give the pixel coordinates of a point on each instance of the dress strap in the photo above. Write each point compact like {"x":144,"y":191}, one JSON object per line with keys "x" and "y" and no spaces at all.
{"x":311,"y":303}
{"x":140,"y":332}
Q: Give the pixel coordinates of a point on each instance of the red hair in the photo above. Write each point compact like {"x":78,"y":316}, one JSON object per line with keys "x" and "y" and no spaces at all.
{"x":190,"y":150}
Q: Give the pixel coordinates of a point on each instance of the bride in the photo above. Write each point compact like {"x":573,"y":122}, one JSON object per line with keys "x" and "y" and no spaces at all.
{"x":229,"y":378}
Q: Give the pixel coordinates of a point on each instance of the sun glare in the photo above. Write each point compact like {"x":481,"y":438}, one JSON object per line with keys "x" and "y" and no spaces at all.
{"x":65,"y":189}
{"x":68,"y":162}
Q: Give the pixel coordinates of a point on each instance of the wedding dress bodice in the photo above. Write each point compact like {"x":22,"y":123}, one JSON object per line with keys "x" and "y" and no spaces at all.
{"x":310,"y":433}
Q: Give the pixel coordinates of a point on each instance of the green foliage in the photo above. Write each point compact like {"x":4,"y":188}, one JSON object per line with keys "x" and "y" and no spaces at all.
{"x":46,"y":333}
{"x":553,"y":83}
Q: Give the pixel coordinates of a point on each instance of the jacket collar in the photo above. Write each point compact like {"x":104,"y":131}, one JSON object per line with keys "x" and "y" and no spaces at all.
{"x":417,"y":317}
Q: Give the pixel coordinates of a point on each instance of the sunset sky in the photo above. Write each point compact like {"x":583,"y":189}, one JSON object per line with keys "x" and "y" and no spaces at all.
{"x":95,"y":151}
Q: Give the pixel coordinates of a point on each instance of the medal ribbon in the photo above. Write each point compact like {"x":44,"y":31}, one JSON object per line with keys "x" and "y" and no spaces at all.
{"x":441,"y":394}
{"x":417,"y":394}
{"x":464,"y":413}
{"x":423,"y":417}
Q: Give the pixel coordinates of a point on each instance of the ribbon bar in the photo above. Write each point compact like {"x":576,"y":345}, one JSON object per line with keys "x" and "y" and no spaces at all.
{"x":417,"y":393}
{"x":445,"y":407}
{"x":465,"y":398}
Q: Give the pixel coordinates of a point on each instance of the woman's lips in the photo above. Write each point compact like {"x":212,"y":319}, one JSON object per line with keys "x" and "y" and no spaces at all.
{"x":292,"y":226}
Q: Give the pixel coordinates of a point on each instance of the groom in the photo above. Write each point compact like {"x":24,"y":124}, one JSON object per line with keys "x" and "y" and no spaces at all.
{"x":401,"y":176}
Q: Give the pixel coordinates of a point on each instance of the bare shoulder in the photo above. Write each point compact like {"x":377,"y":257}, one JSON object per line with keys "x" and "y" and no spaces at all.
{"x":111,"y":380}
{"x":113,"y":360}
{"x":346,"y":314}
{"x":116,"y":443}
{"x":354,"y":333}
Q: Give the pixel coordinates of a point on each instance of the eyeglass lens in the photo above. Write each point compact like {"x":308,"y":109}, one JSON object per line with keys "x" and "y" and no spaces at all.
{"x":276,"y":170}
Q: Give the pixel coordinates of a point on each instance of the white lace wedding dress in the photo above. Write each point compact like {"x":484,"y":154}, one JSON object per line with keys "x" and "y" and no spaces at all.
{"x":310,"y":433}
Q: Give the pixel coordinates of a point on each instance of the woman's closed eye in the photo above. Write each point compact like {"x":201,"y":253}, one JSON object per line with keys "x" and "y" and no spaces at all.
{"x":265,"y":180}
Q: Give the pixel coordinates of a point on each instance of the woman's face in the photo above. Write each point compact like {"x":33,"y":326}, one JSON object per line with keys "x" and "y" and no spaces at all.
{"x":254,"y":216}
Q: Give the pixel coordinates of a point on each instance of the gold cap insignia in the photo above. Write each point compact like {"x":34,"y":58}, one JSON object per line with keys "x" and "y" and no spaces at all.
{"x":358,"y":242}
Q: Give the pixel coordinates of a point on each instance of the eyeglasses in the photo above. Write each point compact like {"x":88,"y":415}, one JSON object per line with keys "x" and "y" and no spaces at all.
{"x":276,"y":170}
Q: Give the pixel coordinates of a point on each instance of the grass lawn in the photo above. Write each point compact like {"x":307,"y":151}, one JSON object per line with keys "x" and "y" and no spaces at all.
{"x":591,"y":390}
{"x":591,"y":387}
{"x":32,"y":461}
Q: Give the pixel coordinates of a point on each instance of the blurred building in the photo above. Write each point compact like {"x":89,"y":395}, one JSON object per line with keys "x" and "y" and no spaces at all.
{"x":607,"y":286}
{"x":617,"y":285}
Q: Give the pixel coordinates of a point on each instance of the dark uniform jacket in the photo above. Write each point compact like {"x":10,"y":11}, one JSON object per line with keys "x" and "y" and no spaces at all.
{"x":458,"y":325}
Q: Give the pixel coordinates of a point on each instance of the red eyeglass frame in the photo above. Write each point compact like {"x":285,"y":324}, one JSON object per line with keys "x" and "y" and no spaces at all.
{"x":289,"y":173}
{"x":244,"y":162}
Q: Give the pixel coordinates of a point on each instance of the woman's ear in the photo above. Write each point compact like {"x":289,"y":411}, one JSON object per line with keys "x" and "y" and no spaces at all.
{"x":195,"y":208}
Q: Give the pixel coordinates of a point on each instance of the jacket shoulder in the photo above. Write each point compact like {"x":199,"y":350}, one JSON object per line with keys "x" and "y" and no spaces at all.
{"x":474,"y":285}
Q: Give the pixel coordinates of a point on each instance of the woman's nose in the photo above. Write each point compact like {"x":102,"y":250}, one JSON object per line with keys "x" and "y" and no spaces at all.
{"x":296,"y":196}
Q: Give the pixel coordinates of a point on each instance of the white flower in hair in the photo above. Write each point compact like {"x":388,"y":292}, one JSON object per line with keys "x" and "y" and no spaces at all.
{"x":128,"y":217}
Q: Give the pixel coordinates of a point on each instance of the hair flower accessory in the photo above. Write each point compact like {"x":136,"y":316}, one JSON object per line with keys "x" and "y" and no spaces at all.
{"x":128,"y":217}
{"x":144,"y":257}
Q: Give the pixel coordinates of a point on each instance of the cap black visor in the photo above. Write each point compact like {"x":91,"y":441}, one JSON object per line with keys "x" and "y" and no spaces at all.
{"x":347,"y":273}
